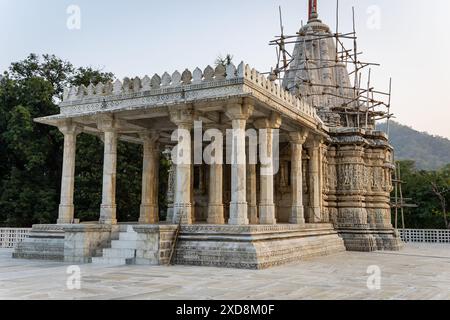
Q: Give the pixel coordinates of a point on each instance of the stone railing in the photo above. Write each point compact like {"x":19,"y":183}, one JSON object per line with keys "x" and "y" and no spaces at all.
{"x":187,"y":80}
{"x":425,"y":236}
{"x":10,"y":237}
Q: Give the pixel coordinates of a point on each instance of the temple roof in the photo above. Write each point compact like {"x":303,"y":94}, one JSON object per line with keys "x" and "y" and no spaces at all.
{"x":316,"y":73}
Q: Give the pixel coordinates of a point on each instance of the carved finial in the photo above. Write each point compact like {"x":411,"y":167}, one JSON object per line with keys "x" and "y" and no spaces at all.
{"x":220,"y":72}
{"x":146,"y":86}
{"x":166,"y":79}
{"x":197,"y":75}
{"x":136,"y":84}
{"x":72,"y":93}
{"x":117,"y":87}
{"x":176,"y":79}
{"x":240,"y":70}
{"x":231,"y":71}
{"x":208,"y":73}
{"x":254,"y":75}
{"x":186,"y":77}
{"x":156,"y":81}
{"x":99,"y":89}
{"x":81,"y":91}
{"x":127,"y":85}
{"x":108,"y":88}
{"x":247,"y":71}
{"x":90,"y":90}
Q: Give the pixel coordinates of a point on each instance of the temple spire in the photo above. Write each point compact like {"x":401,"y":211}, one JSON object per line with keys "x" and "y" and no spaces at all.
{"x":312,"y":10}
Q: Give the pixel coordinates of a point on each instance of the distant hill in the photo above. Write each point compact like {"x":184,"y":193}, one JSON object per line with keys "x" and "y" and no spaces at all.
{"x":429,"y":152}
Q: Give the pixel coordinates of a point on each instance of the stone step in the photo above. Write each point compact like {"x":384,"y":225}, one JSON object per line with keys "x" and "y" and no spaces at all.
{"x":118,"y":253}
{"x":123,"y":244}
{"x":128,"y":236}
{"x":109,"y":261}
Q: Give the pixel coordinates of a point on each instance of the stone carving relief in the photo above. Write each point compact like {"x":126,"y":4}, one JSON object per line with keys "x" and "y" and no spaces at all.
{"x":332,"y":177}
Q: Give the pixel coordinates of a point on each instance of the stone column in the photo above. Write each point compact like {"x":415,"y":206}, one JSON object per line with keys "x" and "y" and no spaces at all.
{"x":215,"y":204}
{"x":66,"y":207}
{"x":149,"y":211}
{"x":315,"y":214}
{"x":297,"y":212}
{"x":267,"y":171}
{"x":239,"y":113}
{"x":170,"y":192}
{"x":108,"y":206}
{"x":182,"y":157}
{"x":251,"y":194}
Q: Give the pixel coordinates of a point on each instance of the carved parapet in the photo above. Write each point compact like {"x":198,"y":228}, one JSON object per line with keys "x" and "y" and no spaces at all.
{"x":103,"y":94}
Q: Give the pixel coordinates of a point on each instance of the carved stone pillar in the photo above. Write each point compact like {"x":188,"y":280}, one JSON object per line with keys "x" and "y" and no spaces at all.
{"x":215,"y":202}
{"x":182,"y":156}
{"x":108,"y":207}
{"x":66,"y":206}
{"x":171,"y":191}
{"x":214,"y":158}
{"x":251,"y":194}
{"x":297,"y":211}
{"x":315,"y":214}
{"x":267,"y":172}
{"x":238,"y":113}
{"x":149,"y":211}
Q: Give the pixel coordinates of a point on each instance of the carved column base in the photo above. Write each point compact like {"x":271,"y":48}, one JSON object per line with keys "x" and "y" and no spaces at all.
{"x":215,"y":214}
{"x":184,"y":211}
{"x":106,"y":212}
{"x":267,"y":214}
{"x":169,"y":217}
{"x":238,"y":214}
{"x":149,"y":214}
{"x":315,"y":215}
{"x":253,"y":214}
{"x":66,"y":214}
{"x":297,"y":215}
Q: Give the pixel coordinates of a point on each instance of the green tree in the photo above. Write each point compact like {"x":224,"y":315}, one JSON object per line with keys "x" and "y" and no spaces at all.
{"x":31,"y":153}
{"x":224,"y":61}
{"x":418,"y":186}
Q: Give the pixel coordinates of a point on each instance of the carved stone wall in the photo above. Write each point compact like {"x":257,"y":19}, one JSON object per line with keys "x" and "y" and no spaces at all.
{"x":357,"y":189}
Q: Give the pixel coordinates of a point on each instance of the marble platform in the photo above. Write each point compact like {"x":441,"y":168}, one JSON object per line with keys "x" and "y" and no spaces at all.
{"x":419,"y":271}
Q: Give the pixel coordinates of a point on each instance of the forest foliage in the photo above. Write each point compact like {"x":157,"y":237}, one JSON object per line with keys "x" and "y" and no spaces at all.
{"x":31,"y":153}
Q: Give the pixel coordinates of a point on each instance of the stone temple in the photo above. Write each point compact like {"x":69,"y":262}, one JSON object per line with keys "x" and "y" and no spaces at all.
{"x":330,"y":192}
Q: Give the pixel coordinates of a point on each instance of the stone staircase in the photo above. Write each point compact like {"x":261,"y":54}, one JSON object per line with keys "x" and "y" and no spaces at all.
{"x":122,"y":251}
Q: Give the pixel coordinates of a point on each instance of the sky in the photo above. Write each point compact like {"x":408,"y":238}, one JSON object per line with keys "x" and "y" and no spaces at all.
{"x":409,"y":38}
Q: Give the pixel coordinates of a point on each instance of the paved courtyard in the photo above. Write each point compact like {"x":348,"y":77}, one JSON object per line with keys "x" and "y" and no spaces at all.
{"x":420,"y":271}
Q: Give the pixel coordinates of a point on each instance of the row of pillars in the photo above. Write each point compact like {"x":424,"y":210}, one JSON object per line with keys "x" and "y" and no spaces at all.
{"x":149,"y":210}
{"x":241,"y":208}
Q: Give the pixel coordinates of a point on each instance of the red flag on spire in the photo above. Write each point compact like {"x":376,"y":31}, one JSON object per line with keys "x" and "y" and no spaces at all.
{"x":312,"y":10}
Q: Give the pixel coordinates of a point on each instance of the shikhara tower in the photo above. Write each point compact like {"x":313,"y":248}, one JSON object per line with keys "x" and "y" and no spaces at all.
{"x":332,"y":192}
{"x":358,"y":159}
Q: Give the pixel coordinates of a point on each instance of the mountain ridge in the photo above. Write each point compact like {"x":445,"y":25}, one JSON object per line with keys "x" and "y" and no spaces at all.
{"x":430,"y":152}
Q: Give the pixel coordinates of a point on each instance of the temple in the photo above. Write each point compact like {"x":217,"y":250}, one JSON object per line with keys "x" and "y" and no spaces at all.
{"x":324,"y":187}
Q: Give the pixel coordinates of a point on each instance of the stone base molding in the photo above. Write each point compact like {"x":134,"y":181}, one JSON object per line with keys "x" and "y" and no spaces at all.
{"x":255,"y":246}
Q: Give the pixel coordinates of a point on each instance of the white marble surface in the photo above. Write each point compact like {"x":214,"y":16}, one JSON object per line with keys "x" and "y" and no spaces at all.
{"x":420,"y":271}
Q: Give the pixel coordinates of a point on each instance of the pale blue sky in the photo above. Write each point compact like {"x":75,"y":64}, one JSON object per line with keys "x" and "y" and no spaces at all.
{"x":138,"y":37}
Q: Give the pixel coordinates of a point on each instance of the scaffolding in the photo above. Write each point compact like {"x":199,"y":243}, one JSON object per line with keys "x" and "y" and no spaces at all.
{"x":363,"y":104}
{"x":398,"y":202}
